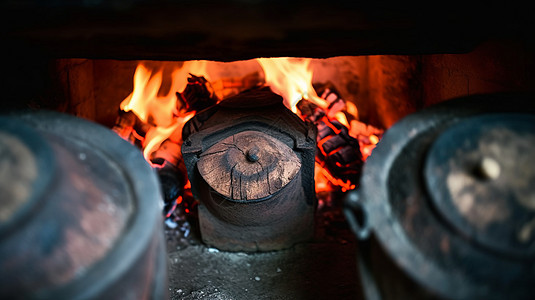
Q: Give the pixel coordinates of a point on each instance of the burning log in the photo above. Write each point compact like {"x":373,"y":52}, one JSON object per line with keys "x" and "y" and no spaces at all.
{"x":343,"y":141}
{"x":167,"y":159}
{"x":197,"y":95}
{"x":131,"y":128}
{"x":125,"y":124}
{"x":332,"y":96}
{"x":337,"y":151}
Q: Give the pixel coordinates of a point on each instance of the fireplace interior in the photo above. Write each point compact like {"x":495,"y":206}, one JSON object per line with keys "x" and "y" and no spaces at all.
{"x":387,"y":62}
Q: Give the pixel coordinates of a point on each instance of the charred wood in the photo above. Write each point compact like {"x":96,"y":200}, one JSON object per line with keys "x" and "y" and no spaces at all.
{"x":131,"y":128}
{"x":338,"y":151}
{"x":167,"y":161}
{"x":197,"y":95}
{"x":124,"y":125}
{"x":328,"y":92}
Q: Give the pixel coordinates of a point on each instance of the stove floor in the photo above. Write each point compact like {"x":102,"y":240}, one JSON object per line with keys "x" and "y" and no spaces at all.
{"x":324,"y":268}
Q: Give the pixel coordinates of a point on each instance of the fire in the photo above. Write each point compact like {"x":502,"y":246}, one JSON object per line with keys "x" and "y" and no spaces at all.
{"x":163,"y":114}
{"x":292,"y":79}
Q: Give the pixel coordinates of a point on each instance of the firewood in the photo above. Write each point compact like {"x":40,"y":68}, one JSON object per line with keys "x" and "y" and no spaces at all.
{"x":338,"y":151}
{"x":168,"y":163}
{"x":310,"y":111}
{"x":197,"y":95}
{"x":124,"y":125}
{"x":131,"y":128}
{"x":167,"y":159}
{"x":328,"y":92}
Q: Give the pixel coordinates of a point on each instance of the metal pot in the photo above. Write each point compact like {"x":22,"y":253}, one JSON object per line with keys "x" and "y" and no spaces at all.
{"x":80,"y":214}
{"x":446,"y":207}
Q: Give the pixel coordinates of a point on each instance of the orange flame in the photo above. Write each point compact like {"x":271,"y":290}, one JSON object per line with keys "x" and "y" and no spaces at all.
{"x":292,"y":79}
{"x":159,"y":111}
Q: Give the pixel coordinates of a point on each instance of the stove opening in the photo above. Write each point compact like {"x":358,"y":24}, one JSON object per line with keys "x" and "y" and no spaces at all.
{"x":170,"y":99}
{"x":350,"y":100}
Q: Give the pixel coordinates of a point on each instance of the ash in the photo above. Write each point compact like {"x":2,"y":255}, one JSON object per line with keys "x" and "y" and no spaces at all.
{"x":323,"y":268}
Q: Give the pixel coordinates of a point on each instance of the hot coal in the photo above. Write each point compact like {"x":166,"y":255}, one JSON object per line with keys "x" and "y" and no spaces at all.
{"x":337,"y":151}
{"x":124,"y":124}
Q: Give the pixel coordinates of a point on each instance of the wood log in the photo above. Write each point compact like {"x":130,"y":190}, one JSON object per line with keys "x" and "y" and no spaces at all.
{"x":338,"y":151}
{"x":249,"y":165}
{"x":328,"y":92}
{"x":131,"y":128}
{"x":167,"y":159}
{"x":168,"y":163}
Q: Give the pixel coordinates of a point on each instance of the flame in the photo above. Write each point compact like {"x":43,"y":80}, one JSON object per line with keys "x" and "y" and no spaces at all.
{"x":374,"y":139}
{"x":144,"y":100}
{"x":292,"y":79}
{"x":159,"y":111}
